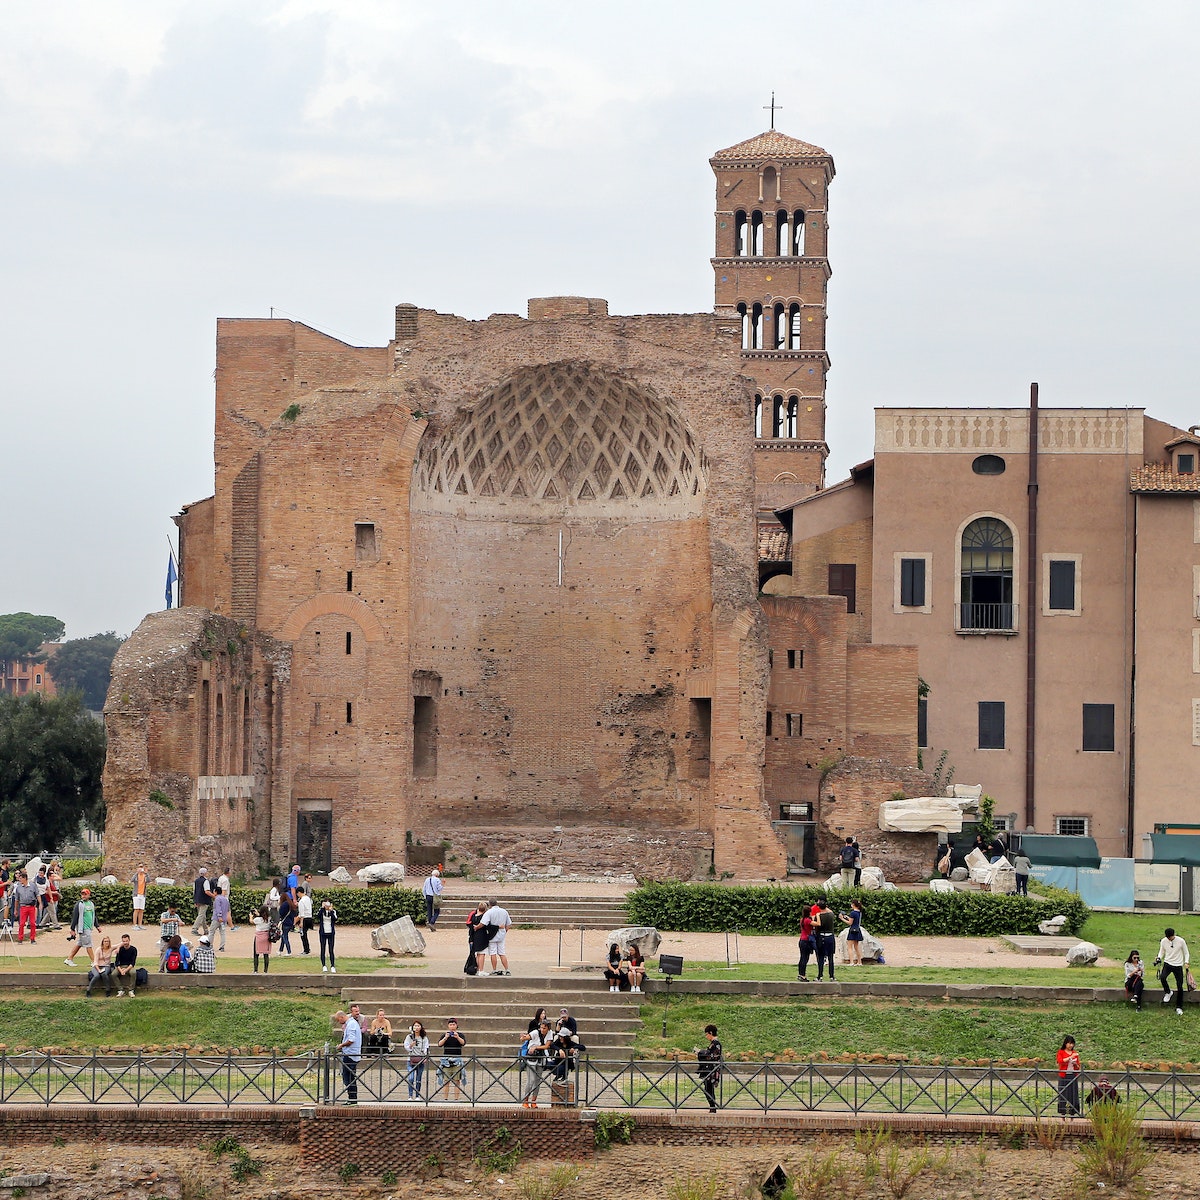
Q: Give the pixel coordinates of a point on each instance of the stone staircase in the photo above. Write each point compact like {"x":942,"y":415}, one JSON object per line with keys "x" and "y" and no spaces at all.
{"x":493,"y":1013}
{"x":541,"y":912}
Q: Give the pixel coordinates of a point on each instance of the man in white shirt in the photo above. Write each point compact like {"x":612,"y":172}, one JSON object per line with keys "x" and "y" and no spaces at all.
{"x":1174,"y":956}
{"x":497,"y":921}
{"x":305,"y":917}
{"x":432,"y":889}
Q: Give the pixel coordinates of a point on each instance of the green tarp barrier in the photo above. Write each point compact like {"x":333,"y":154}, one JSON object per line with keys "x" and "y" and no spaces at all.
{"x":1052,"y":850}
{"x":1181,"y":848}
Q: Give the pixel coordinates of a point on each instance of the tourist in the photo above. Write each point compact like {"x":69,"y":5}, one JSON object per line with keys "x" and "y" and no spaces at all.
{"x":432,"y":891}
{"x":1135,"y":981}
{"x":287,"y":922}
{"x":416,"y":1046}
{"x":292,"y":883}
{"x":710,"y":1058}
{"x":1068,"y":1078}
{"x":826,"y":941}
{"x":169,"y":922}
{"x":357,"y":1013}
{"x":204,"y":961}
{"x":351,"y":1048}
{"x":223,"y":884}
{"x":567,"y":1022}
{"x":536,"y":1052}
{"x":202,"y":897}
{"x":26,"y":900}
{"x":273,"y":898}
{"x":496,"y":921}
{"x":1174,"y":956}
{"x":101,"y":967}
{"x":848,"y":857}
{"x":379,"y":1036}
{"x":304,"y":913}
{"x":41,"y":882}
{"x":222,"y":915}
{"x":140,"y":884}
{"x":997,"y":851}
{"x":327,"y":933}
{"x":858,"y":863}
{"x":808,"y":946}
{"x":636,"y":965}
{"x":174,"y":961}
{"x":1023,"y":868}
{"x":450,"y":1065}
{"x":83,"y":923}
{"x":1103,"y":1093}
{"x":564,"y":1052}
{"x":478,"y":936}
{"x":614,"y":972}
{"x":54,"y":879}
{"x":125,"y":966}
{"x":854,"y":935}
{"x":262,"y":940}
{"x":536,"y":1023}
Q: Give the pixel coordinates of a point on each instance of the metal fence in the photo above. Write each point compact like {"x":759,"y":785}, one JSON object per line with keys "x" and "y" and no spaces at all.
{"x":227,"y":1080}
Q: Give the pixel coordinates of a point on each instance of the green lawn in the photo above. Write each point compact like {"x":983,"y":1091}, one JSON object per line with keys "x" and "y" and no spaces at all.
{"x":924,"y":1030}
{"x":225,"y":963}
{"x":1029,"y":976}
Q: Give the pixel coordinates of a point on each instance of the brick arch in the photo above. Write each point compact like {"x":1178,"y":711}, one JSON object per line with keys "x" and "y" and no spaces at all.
{"x":324,"y":605}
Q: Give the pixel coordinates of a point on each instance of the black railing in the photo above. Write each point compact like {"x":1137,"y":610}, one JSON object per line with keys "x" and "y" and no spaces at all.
{"x":226,"y":1080}
{"x":987,"y":616}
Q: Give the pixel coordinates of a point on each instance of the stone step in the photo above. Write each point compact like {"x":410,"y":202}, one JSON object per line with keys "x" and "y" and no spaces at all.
{"x":545,"y":912}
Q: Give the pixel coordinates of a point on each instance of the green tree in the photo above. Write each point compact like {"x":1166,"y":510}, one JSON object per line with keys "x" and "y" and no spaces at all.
{"x":51,"y":757}
{"x":85,"y":665}
{"x":22,"y":633}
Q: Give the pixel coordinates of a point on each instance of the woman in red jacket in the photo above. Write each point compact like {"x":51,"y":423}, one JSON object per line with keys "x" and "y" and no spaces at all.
{"x":1068,"y":1078}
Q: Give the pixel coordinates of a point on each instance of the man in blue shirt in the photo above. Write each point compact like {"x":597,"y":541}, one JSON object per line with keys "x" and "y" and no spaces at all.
{"x":293,"y":882}
{"x":351,"y":1048}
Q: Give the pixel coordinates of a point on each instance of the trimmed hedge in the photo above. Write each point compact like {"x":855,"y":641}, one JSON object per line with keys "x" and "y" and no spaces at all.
{"x":714,"y":908}
{"x":355,"y":906}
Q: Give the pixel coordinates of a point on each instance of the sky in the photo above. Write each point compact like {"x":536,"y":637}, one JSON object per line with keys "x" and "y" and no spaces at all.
{"x":1015,"y":200}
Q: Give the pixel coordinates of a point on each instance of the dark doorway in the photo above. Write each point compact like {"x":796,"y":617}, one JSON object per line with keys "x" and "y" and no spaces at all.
{"x":314,"y":840}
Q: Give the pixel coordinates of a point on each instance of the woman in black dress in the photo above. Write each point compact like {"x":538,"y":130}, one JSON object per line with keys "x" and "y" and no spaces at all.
{"x":711,"y":1058}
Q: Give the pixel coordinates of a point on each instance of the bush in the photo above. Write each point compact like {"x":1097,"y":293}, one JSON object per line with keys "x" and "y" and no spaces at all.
{"x":74,"y":868}
{"x":713,"y":908}
{"x":355,"y":906}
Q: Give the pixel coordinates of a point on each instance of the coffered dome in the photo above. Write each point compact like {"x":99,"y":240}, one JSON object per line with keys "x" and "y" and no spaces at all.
{"x":563,"y":435}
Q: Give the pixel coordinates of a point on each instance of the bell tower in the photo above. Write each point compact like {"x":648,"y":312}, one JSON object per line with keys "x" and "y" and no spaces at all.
{"x":772,"y":271}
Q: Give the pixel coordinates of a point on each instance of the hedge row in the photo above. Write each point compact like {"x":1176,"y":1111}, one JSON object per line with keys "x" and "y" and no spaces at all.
{"x":355,"y":906}
{"x":714,"y":908}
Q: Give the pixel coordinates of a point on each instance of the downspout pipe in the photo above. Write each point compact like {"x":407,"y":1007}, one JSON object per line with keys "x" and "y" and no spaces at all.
{"x":1031,"y":585}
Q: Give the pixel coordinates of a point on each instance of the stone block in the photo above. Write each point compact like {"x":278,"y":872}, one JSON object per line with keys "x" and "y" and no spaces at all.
{"x":872,"y":879}
{"x":968,"y":791}
{"x":645,"y":937}
{"x":390,"y":872}
{"x":872,"y":947}
{"x":960,"y":874}
{"x":1004,"y":880}
{"x":1052,"y":927}
{"x":339,"y":875}
{"x":109,"y":880}
{"x":941,"y":885}
{"x":921,"y":814}
{"x":400,"y":937}
{"x":1084,"y":954}
{"x":162,"y":881}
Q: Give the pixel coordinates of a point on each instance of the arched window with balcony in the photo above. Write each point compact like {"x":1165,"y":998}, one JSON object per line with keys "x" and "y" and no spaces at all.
{"x":757,"y":230}
{"x":798,"y":221}
{"x":778,"y":414}
{"x":794,"y":316}
{"x":780,"y":329}
{"x":741,"y":234}
{"x":753,"y":326}
{"x":770,"y":184}
{"x":986,"y":580}
{"x":758,"y":416}
{"x":791,"y":417}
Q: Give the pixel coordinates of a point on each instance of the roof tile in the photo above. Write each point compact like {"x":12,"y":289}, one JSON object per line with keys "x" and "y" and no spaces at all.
{"x":1160,"y":477}
{"x":769,"y":144}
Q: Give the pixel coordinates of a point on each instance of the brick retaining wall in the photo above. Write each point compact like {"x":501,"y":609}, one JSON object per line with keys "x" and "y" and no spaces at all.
{"x":159,"y":1124}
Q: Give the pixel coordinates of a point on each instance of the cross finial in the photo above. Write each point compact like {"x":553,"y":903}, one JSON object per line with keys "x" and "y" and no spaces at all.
{"x":772,"y":107}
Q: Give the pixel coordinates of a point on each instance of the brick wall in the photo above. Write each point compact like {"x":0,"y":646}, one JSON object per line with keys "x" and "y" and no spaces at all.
{"x":153,"y":1125}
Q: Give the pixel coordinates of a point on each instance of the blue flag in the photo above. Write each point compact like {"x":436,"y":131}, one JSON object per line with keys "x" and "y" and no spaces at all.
{"x":171,"y":577}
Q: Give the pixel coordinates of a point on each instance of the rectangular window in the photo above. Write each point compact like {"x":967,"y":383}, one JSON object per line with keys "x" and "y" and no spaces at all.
{"x":1062,"y":584}
{"x":349,"y":712}
{"x":922,"y":723}
{"x":700,"y":736}
{"x":1071,"y":826}
{"x":770,"y":659}
{"x":768,"y":722}
{"x":424,"y":737}
{"x":912,"y":583}
{"x":991,"y":724}
{"x":364,"y":542}
{"x":1099,"y":727}
{"x":349,"y":581}
{"x":348,"y":641}
{"x":1187,"y":464}
{"x":795,"y":724}
{"x":795,"y":659}
{"x":842,"y":578}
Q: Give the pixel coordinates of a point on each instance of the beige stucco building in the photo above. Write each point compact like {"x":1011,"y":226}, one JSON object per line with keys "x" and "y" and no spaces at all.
{"x":1045,"y":566}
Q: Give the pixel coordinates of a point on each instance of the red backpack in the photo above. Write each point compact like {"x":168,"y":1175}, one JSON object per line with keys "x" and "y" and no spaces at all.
{"x":174,"y":961}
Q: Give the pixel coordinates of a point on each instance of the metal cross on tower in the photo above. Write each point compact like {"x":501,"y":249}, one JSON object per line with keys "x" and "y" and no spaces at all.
{"x":772,"y":107}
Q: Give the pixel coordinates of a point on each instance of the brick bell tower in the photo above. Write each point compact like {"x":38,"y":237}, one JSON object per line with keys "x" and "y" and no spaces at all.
{"x":772,"y":271}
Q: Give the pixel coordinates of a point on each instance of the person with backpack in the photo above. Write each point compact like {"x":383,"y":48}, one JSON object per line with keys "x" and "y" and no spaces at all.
{"x":848,"y":858}
{"x":432,"y":890}
{"x":202,"y":897}
{"x":174,"y":961}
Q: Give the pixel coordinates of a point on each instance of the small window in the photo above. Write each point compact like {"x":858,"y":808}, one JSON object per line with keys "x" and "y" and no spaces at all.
{"x":912,"y":583}
{"x":349,"y":712}
{"x":991,"y":724}
{"x":37,"y":679}
{"x":365,"y":549}
{"x":1099,"y":727}
{"x":349,"y":640}
{"x":349,"y":581}
{"x":1062,"y":585}
{"x":1185,"y":464}
{"x":842,"y":578}
{"x":988,"y":464}
{"x":795,"y":659}
{"x":316,"y":712}
{"x":923,"y":723}
{"x":1071,"y":826}
{"x":1002,"y":824}
{"x":768,"y":722}
{"x":770,"y":658}
{"x":795,"y":724}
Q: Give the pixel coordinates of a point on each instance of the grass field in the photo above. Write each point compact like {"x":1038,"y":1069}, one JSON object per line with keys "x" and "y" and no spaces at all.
{"x":294,"y":965}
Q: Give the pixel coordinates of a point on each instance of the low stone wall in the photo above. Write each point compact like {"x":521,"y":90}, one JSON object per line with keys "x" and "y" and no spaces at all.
{"x":153,"y":1125}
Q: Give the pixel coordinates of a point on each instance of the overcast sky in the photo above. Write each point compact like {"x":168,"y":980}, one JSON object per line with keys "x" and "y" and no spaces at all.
{"x":1016,"y":200}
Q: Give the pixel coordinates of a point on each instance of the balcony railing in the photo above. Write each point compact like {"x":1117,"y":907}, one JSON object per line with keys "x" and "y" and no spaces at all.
{"x":986,"y":618}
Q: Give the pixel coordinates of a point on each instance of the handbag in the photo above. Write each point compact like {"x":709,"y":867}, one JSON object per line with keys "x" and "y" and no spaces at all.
{"x":1191,"y":980}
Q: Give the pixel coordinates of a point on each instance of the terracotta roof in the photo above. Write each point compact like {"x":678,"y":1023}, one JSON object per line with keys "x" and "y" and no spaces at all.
{"x":770,"y":144}
{"x":1182,"y":439}
{"x":773,"y":543}
{"x":1159,"y":477}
